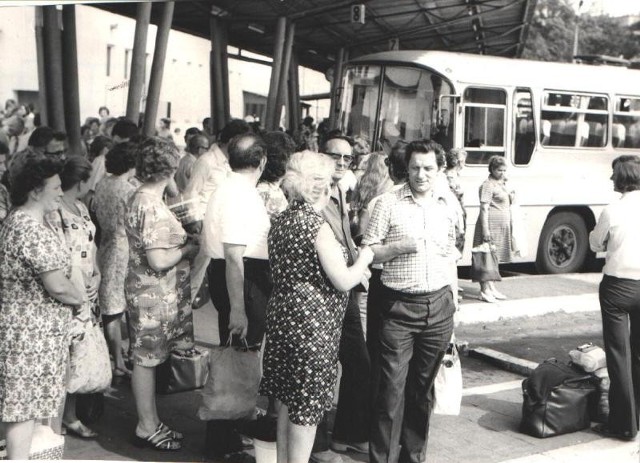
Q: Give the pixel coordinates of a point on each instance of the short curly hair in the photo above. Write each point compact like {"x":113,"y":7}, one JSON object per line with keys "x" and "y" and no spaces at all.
{"x":121,"y":158}
{"x":496,"y":161}
{"x":97,"y":145}
{"x":308,"y":176}
{"x":425,"y":146}
{"x":157,"y":159}
{"x":76,"y":170}
{"x":626,"y":173}
{"x":280,"y":147}
{"x":31,"y":175}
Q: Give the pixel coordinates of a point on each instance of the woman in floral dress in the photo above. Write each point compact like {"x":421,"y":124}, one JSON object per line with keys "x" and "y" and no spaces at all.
{"x":157,"y":285}
{"x":307,"y":306}
{"x":112,"y":193}
{"x":36,"y":304}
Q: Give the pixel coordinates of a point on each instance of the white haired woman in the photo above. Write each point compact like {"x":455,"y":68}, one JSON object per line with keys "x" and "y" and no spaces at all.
{"x":306,"y":309}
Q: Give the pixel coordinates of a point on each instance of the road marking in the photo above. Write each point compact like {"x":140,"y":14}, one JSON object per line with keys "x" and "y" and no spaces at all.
{"x":492,"y":388}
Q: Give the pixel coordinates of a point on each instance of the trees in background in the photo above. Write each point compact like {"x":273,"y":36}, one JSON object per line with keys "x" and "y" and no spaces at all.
{"x":551,"y":34}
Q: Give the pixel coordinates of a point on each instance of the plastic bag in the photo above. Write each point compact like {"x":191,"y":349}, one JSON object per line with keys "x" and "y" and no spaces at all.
{"x":89,"y":364}
{"x":231,"y":391}
{"x":484,"y":264}
{"x":447,"y":387}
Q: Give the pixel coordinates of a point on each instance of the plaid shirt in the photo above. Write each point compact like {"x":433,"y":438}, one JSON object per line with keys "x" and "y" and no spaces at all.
{"x":398,"y":215}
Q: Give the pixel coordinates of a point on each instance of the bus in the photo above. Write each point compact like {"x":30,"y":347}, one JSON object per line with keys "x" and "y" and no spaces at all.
{"x":558,"y":125}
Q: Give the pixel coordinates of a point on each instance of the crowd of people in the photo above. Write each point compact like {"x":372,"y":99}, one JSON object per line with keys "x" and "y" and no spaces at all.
{"x":285,"y":247}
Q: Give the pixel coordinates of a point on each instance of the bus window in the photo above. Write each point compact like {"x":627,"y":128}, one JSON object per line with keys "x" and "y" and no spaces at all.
{"x":360,"y":101}
{"x":569,"y":119}
{"x":626,"y":122}
{"x":525,"y":133}
{"x":484,"y":123}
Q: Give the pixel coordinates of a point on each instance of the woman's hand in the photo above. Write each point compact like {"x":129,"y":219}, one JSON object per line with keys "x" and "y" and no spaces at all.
{"x":190,"y":250}
{"x":92,"y":287}
{"x":366,"y":253}
{"x":486,"y":238}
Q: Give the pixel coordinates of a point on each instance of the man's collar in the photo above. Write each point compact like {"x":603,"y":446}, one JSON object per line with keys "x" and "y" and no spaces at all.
{"x":405,"y":192}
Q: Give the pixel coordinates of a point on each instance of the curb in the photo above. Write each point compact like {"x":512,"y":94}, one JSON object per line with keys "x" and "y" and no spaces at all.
{"x":504,"y":361}
{"x":483,"y":312}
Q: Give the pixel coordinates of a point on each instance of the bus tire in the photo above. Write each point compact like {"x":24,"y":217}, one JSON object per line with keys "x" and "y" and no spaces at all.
{"x":563,"y":245}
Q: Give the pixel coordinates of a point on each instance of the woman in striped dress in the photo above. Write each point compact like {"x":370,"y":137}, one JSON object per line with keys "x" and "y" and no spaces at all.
{"x":494,"y":222}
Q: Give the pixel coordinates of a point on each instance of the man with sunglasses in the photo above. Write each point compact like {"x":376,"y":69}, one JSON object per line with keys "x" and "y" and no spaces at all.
{"x":350,"y":431}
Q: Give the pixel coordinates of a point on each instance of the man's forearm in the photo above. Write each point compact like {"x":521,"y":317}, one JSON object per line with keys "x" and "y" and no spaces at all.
{"x":234,"y":272}
{"x":386,"y":252}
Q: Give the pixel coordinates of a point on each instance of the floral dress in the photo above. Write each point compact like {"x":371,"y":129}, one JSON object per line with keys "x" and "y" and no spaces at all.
{"x":304,"y":319}
{"x":34,"y":327}
{"x":159,"y":301}
{"x":112,"y":193}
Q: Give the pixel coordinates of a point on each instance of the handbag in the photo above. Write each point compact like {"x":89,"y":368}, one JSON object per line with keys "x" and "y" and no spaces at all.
{"x":484,"y":264}
{"x":447,"y":386}
{"x":183,"y":371}
{"x":556,"y":400}
{"x":231,"y":392}
{"x":89,"y":363}
{"x":589,"y":357}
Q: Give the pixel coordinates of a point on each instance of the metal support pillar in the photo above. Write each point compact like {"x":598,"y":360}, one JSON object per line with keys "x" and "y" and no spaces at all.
{"x":217,"y":63}
{"x":336,"y":88}
{"x":284,"y":74}
{"x":42,"y":78}
{"x":294,"y":94}
{"x":271,"y":123}
{"x":53,"y":67}
{"x":138,"y":61}
{"x":71,"y":93}
{"x":224,"y":57}
{"x":157,"y":68}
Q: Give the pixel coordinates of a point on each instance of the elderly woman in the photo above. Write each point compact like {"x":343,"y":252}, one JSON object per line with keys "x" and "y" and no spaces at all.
{"x":73,"y":225}
{"x":157,"y":286}
{"x":36,"y":305}
{"x":307,"y":306}
{"x":617,"y":233}
{"x":112,"y":193}
{"x":494,"y":222}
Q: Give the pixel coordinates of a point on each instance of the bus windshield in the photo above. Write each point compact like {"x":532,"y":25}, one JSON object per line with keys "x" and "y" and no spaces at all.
{"x":409,"y":100}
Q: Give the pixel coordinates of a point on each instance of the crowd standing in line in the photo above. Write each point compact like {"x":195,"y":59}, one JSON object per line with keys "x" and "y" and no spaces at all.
{"x":288,"y":240}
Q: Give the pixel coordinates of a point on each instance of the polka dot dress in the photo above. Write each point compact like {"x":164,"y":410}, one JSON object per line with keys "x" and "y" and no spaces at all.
{"x":304,"y":319}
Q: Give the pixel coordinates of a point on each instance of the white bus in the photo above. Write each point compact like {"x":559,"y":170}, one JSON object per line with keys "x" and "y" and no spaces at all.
{"x":558,"y":125}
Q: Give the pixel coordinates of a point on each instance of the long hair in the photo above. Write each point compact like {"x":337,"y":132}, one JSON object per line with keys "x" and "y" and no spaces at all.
{"x":373,"y":182}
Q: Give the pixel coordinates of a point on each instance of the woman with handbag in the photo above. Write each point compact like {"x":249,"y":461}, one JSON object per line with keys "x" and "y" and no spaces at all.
{"x":157,"y":286}
{"x":494,"y":227}
{"x":617,"y":233}
{"x":37,"y":300}
{"x":307,"y":306}
{"x":73,"y":225}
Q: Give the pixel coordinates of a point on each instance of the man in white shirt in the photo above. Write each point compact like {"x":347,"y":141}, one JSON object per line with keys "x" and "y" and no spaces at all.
{"x":234,"y":232}
{"x":212,"y":167}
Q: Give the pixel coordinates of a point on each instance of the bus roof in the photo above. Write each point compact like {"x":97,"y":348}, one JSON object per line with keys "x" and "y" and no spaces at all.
{"x":492,"y":70}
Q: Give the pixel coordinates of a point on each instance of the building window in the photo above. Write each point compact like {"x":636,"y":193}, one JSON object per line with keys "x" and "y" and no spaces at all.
{"x":109,"y":48}
{"x":127,"y":56}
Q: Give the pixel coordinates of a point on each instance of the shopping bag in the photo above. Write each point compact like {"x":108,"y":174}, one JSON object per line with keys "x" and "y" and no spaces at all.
{"x":484,"y":264}
{"x":183,"y":371}
{"x":447,"y":386}
{"x":89,"y":363}
{"x":231,"y":391}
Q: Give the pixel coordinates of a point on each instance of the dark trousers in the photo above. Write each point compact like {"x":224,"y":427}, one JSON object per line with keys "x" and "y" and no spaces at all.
{"x":374,"y":324}
{"x":352,"y":417}
{"x":620,"y":307}
{"x":416,"y":330}
{"x":221,"y":436}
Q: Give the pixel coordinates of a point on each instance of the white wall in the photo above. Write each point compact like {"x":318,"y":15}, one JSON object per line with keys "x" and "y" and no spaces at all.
{"x":186,"y":75}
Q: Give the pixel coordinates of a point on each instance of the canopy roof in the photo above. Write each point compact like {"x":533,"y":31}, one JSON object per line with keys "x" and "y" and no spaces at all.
{"x":322,"y":27}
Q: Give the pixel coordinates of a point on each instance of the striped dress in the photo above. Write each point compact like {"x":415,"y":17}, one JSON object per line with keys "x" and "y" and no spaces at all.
{"x":494,"y":193}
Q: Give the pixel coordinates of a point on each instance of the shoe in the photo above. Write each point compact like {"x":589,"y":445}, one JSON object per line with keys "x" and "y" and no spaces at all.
{"x":358,"y":447}
{"x":487,"y":297}
{"x":161,"y":439}
{"x":77,"y":428}
{"x":498,"y":295}
{"x":328,"y":456}
{"x":170,"y":432}
{"x":604,"y":431}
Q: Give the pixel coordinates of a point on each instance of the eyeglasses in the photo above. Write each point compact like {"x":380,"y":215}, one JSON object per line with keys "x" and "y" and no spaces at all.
{"x":54,"y":153}
{"x":348,"y":158}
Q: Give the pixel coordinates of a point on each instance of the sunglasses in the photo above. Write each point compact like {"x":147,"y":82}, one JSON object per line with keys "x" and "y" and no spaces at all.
{"x":348,"y":158}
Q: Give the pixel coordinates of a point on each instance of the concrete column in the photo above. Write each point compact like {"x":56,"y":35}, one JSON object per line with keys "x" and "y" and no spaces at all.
{"x":53,"y":67}
{"x":284,"y":73}
{"x":42,"y":78}
{"x":294,"y":94}
{"x":224,"y":58}
{"x":157,"y":68}
{"x":138,"y":61}
{"x":70,"y":83}
{"x":217,"y":74}
{"x":336,"y":88}
{"x":278,"y":49}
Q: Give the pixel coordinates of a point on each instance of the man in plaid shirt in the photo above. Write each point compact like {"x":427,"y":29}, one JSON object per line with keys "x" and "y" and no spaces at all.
{"x":412,"y":230}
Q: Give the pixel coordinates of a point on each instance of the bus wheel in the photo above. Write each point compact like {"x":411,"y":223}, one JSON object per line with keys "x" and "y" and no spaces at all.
{"x":564,"y":244}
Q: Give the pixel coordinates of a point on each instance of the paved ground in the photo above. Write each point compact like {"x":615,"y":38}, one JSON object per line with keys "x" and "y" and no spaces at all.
{"x":486,"y":430}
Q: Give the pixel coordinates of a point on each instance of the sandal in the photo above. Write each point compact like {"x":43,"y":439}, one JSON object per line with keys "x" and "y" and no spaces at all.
{"x":159,"y":440}
{"x":170,"y":432}
{"x":77,"y":428}
{"x":121,"y":372}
